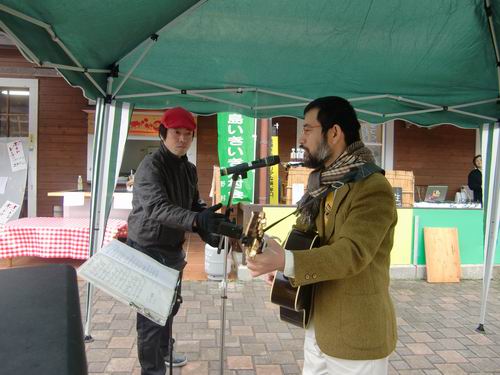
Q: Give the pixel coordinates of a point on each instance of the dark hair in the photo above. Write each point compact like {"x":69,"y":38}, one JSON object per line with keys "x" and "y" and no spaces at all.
{"x":474,"y":160}
{"x":336,"y":110}
{"x":162,"y":132}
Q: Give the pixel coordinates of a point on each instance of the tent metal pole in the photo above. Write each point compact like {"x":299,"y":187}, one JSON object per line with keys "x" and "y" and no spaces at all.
{"x":372,"y":97}
{"x":152,"y":40}
{"x":474,"y":103}
{"x":73,"y":68}
{"x":264,"y":91}
{"x":491,"y":144}
{"x":54,"y":37}
{"x":179,"y":92}
{"x":149,"y":95}
{"x":406,"y":100}
{"x":489,"y":14}
{"x":488,"y":118}
{"x":369,"y":112}
{"x":23,"y":16}
{"x":277,"y":106}
{"x":31,"y":56}
{"x":96,"y":211}
{"x":147,"y":82}
{"x":176,"y":91}
{"x":414,"y":112}
{"x":97,"y":147}
{"x":219,"y":100}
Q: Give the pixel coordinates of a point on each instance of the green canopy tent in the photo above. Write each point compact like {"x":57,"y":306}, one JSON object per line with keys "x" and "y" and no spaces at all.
{"x":429,"y":63}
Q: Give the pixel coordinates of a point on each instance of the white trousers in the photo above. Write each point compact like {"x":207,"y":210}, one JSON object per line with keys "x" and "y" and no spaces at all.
{"x":318,"y":363}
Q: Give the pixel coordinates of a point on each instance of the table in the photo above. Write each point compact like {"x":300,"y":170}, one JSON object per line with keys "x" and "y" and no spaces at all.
{"x":53,"y":237}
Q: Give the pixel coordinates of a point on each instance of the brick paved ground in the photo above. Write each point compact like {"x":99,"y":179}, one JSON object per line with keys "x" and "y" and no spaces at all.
{"x":436,"y":325}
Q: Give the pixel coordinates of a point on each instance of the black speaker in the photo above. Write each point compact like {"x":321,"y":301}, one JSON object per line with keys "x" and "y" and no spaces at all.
{"x":40,"y":322}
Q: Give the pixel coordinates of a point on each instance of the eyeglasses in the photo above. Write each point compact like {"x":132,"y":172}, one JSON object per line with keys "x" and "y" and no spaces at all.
{"x":307,"y":129}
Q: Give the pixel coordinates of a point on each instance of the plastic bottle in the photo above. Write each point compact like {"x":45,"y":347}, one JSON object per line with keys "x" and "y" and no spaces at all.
{"x":130,"y":181}
{"x":293,"y":156}
{"x":300,"y":155}
{"x":79,"y":185}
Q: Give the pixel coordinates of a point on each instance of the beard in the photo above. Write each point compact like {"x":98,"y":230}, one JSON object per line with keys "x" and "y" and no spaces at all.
{"x":317,"y":159}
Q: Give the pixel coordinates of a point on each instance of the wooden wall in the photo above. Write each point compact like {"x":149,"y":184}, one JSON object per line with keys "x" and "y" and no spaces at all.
{"x":287,"y":139}
{"x":206,"y":154}
{"x":62,"y":128}
{"x":440,"y":155}
{"x":62,"y":140}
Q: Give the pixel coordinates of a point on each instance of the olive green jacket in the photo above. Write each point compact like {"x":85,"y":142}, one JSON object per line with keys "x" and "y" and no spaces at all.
{"x":353,"y":313}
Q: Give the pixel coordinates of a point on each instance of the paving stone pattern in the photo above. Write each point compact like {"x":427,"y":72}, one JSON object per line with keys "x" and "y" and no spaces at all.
{"x":436,"y":325}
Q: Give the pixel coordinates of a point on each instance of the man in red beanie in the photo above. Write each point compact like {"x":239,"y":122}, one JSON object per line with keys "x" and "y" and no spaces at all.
{"x":165,"y":205}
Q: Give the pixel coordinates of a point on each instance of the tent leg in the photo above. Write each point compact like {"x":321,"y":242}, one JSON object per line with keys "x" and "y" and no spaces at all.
{"x":490,"y":140}
{"x":102,"y":112}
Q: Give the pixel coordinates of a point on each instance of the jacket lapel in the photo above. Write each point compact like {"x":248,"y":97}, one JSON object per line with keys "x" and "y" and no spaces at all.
{"x":340,"y":195}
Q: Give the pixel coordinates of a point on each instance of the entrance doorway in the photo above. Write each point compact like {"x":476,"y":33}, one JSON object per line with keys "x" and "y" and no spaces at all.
{"x":18,"y":140}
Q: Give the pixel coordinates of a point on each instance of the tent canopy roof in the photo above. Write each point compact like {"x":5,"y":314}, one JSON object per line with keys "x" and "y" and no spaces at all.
{"x":267,"y":58}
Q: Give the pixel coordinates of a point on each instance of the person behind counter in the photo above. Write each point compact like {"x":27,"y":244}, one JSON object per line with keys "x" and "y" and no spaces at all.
{"x":352,"y":207}
{"x":475,"y":179}
{"x":165,"y":205}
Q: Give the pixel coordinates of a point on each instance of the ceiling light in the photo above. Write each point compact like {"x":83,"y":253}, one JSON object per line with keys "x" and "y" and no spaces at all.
{"x":16,"y":92}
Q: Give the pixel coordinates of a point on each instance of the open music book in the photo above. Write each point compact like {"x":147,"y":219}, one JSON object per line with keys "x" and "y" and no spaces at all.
{"x":133,"y":278}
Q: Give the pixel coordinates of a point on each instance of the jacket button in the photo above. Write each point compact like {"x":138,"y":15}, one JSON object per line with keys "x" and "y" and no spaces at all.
{"x":307,"y":277}
{"x":314,"y":276}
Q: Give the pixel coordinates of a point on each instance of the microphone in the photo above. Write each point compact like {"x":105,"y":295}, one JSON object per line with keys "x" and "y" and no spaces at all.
{"x":245,"y":167}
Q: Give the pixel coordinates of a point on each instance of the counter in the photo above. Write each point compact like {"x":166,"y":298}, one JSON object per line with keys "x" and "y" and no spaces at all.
{"x":408,"y":251}
{"x":76,"y":204}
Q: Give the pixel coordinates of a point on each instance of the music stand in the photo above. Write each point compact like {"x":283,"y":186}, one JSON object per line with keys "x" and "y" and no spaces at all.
{"x":170,"y":322}
{"x":224,"y":246}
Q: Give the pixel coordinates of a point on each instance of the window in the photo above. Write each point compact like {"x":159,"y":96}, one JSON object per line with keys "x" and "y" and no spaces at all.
{"x":372,"y":136}
{"x":14,"y":112}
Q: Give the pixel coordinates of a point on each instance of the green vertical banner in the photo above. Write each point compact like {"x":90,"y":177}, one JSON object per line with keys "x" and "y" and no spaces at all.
{"x":236,"y":145}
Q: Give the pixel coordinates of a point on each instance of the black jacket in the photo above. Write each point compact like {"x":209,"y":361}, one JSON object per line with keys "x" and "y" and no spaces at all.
{"x":475,"y":182}
{"x":165,"y":201}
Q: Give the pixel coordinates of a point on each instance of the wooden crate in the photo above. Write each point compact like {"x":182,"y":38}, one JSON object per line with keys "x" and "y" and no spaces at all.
{"x":406,"y":181}
{"x":296,"y":175}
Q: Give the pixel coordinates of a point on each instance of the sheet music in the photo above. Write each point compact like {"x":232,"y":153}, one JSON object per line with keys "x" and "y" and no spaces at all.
{"x":133,"y":278}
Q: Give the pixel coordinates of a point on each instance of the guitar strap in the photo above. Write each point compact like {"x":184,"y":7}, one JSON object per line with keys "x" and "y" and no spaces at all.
{"x":361,"y":173}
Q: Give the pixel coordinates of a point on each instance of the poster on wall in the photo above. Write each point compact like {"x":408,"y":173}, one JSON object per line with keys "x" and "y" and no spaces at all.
{"x":236,"y":145}
{"x":146,"y":124}
{"x":16,"y":156}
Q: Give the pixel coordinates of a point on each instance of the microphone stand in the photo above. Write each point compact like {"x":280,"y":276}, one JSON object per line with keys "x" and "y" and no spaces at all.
{"x":223,"y":285}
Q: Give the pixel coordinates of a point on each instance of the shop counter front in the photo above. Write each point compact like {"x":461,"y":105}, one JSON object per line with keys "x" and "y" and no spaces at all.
{"x":76,"y":204}
{"x":401,"y":252}
{"x":408,"y":249}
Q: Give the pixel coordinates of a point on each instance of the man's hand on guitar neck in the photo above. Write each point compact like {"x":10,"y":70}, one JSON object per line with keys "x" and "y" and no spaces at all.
{"x":271,"y":259}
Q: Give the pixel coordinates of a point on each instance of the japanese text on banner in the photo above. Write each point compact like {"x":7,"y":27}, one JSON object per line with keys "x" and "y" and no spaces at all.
{"x":236,"y":145}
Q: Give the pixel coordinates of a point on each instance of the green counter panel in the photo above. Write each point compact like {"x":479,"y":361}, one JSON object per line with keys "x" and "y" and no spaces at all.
{"x":469,"y":223}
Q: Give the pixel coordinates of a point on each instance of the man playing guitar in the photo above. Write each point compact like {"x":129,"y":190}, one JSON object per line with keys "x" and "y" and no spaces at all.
{"x":351,"y":207}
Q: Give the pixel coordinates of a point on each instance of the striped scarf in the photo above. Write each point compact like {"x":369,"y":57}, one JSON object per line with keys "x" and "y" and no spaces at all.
{"x":320,"y":182}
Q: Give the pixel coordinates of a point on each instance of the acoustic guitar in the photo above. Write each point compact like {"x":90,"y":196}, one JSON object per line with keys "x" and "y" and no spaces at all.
{"x":253,"y":236}
{"x":295,"y":303}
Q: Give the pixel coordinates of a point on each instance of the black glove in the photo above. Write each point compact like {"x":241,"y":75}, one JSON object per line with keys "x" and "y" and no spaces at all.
{"x":207,"y":222}
{"x":212,"y":239}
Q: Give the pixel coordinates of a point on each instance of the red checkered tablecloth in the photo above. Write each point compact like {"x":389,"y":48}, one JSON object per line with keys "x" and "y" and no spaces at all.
{"x":53,"y":237}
